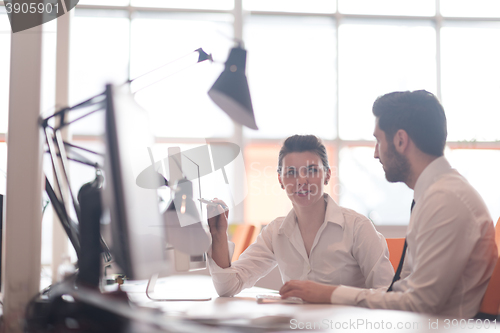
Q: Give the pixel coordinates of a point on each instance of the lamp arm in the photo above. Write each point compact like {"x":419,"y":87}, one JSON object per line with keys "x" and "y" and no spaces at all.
{"x":65,"y":168}
{"x":82,"y":148}
{"x":55,"y":168}
{"x":64,"y":124}
{"x":63,"y":111}
{"x":146,"y":80}
{"x":68,"y":224}
{"x":99,"y":98}
{"x":202,"y":56}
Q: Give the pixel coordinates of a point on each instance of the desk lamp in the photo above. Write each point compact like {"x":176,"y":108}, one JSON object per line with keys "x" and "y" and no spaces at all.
{"x":238,"y":109}
{"x":230,"y":92}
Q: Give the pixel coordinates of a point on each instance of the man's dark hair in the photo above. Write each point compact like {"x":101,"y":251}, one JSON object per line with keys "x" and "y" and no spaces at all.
{"x":301,"y":143}
{"x":419,"y":113}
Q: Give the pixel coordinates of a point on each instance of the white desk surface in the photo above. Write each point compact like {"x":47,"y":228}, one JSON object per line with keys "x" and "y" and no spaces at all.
{"x":242,"y":311}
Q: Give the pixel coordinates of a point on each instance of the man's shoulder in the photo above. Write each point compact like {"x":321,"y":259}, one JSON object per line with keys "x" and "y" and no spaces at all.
{"x":453,"y":190}
{"x":453,"y":185}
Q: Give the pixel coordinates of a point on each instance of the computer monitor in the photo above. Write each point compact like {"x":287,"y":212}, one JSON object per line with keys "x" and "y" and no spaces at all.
{"x":1,"y":225}
{"x":137,"y":228}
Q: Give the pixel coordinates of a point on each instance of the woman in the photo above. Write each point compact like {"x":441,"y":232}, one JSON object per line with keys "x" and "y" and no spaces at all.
{"x":318,"y":240}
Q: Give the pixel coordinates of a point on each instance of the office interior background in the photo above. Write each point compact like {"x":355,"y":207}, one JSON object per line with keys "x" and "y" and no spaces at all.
{"x":314,"y":67}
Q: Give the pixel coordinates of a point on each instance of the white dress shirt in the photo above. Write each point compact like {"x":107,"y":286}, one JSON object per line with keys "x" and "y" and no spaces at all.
{"x":451,"y":251}
{"x":347,"y":250}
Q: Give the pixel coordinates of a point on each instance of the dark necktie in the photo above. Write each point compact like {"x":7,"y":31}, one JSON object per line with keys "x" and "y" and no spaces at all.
{"x":397,"y":276}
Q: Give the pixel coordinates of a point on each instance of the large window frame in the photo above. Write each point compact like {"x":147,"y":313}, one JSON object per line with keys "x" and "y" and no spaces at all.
{"x":337,"y":144}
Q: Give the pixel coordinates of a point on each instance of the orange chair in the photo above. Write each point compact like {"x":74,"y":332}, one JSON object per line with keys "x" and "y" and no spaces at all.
{"x":497,"y":234}
{"x":395,"y":246}
{"x":490,"y":306}
{"x":243,"y":236}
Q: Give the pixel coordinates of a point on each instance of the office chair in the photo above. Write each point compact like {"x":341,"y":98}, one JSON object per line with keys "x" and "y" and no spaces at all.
{"x":497,"y":234}
{"x":395,"y":246}
{"x":243,"y":236}
{"x":490,"y":305}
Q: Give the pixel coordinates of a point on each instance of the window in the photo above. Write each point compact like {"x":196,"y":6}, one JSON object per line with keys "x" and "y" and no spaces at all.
{"x":4,"y":92}
{"x":388,"y":7}
{"x":291,"y":74}
{"x":313,"y":67}
{"x":4,"y":69}
{"x":470,"y":80}
{"x":179,"y":105}
{"x":376,"y":57}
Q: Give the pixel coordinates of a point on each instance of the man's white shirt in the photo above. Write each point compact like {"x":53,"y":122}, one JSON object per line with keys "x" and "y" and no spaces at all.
{"x":451,"y":251}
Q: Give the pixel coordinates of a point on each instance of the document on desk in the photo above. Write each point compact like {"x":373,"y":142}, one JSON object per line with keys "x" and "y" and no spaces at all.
{"x":242,"y":316}
{"x":243,"y":311}
{"x":240,"y":311}
{"x":264,"y":299}
{"x":274,"y":322}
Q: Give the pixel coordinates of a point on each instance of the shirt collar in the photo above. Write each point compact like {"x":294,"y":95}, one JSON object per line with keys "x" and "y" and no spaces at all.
{"x":333,"y":214}
{"x":430,"y":175}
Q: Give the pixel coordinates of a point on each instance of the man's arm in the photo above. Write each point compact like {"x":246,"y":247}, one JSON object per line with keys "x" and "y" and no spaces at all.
{"x":441,"y":250}
{"x":309,"y":291}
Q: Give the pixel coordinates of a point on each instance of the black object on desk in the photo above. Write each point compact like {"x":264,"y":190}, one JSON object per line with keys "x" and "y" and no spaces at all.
{"x":1,"y":226}
{"x":89,"y":262}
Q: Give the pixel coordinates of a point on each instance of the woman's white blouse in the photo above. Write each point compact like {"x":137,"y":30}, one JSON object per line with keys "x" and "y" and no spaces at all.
{"x":347,"y":250}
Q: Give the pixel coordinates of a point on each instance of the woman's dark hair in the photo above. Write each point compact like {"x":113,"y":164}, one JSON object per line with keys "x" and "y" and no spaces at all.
{"x":419,"y":113}
{"x":301,"y":143}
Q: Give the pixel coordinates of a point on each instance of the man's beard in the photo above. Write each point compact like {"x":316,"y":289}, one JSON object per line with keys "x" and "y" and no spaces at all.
{"x":396,"y":166}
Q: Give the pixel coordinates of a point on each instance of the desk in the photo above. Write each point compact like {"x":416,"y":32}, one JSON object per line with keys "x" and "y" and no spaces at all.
{"x":242,"y":313}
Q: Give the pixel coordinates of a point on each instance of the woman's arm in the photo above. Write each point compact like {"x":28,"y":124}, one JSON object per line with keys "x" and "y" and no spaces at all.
{"x":370,"y":251}
{"x":255,"y":262}
{"x":217,"y":223}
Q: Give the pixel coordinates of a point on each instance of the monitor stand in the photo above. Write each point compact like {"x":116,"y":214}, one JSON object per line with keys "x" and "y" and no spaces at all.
{"x":150,"y":292}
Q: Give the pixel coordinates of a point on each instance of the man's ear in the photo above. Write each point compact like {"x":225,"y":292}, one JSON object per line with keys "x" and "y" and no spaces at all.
{"x":401,"y":141}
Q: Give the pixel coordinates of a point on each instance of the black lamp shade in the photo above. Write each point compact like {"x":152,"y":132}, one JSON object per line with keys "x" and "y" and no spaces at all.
{"x":230,"y":92}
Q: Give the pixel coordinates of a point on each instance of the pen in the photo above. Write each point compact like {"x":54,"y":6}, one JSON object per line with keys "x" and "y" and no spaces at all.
{"x":210,"y":203}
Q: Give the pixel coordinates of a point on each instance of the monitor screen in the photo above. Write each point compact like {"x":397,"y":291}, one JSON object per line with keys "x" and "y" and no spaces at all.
{"x":137,"y":231}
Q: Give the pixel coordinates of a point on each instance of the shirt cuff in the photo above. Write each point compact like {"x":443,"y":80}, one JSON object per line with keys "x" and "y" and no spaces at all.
{"x":212,"y":265}
{"x":345,"y":295}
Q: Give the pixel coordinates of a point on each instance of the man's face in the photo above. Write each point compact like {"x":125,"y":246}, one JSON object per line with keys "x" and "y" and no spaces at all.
{"x":396,"y":166}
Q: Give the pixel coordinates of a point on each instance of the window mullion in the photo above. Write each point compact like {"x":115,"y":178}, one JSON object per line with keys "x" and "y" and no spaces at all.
{"x":438,"y":25}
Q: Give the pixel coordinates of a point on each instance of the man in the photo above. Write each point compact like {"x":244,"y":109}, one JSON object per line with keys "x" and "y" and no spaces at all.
{"x":451,"y":249}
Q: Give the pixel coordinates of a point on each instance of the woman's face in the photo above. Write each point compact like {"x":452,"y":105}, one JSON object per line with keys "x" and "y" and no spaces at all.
{"x":303,"y":177}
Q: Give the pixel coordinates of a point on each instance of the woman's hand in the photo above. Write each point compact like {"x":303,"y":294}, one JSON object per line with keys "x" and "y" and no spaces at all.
{"x":217,"y":222}
{"x":217,"y":217}
{"x":309,"y":291}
